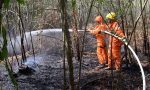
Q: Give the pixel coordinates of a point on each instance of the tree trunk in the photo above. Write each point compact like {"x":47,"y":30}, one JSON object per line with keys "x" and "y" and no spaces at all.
{"x":65,"y":28}
{"x":1,"y":4}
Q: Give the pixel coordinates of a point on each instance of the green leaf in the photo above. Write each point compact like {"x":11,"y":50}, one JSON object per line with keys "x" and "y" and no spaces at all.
{"x":6,"y":3}
{"x":101,"y":1}
{"x":21,"y":1}
{"x":4,"y":51}
{"x":4,"y":55}
{"x":73,"y":3}
{"x":10,"y":72}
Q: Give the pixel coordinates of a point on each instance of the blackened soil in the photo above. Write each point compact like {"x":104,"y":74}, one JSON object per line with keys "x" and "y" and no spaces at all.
{"x":49,"y":76}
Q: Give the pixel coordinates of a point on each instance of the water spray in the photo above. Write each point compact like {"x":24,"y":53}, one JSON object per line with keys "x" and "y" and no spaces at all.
{"x":124,"y":40}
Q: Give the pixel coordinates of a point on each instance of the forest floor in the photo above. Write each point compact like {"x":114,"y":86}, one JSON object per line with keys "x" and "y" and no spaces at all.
{"x":49,"y":72}
{"x":49,"y":76}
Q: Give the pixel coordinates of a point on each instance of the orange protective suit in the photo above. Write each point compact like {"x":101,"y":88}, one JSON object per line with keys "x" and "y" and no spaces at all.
{"x":114,"y":52}
{"x":101,"y":45}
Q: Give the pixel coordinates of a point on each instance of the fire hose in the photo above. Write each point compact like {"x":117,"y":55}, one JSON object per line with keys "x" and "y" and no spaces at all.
{"x":125,"y":41}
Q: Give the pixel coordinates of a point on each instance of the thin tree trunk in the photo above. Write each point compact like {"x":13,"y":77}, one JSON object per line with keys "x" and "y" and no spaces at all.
{"x":75,"y":30}
{"x":132,"y":21}
{"x":64,"y":61}
{"x":83,"y":42}
{"x":22,"y":33}
{"x":137,"y":20}
{"x":65,"y":28}
{"x":11,"y":41}
{"x":143,"y":28}
{"x":1,"y":4}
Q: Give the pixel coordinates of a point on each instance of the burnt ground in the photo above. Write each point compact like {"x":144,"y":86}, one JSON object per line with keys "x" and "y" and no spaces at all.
{"x":49,"y":76}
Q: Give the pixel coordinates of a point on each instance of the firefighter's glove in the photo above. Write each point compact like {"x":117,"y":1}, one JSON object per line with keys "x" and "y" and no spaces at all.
{"x":101,"y":32}
{"x":125,"y":40}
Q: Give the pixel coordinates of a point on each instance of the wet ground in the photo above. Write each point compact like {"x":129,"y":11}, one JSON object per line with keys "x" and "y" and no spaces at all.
{"x":48,"y":75}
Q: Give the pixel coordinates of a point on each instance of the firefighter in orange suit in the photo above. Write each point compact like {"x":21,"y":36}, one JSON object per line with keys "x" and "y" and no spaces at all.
{"x":114,"y":50}
{"x":101,"y":45}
